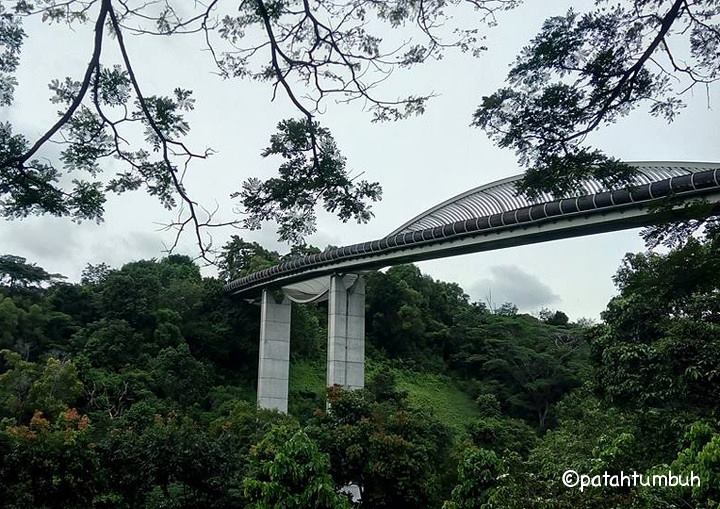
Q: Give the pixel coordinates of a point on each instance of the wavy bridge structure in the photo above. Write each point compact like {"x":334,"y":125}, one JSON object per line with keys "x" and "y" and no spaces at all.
{"x":492,"y":216}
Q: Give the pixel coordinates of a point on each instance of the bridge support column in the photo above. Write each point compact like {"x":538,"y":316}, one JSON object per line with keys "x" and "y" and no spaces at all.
{"x":274,"y":363}
{"x":346,"y":332}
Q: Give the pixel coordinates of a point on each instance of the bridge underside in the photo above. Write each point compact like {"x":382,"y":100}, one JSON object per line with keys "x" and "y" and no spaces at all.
{"x":486,"y":218}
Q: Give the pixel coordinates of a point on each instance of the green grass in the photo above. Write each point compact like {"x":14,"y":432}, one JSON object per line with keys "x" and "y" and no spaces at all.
{"x":425,"y":390}
{"x":307,"y":375}
{"x":307,"y":387}
{"x":439,"y":394}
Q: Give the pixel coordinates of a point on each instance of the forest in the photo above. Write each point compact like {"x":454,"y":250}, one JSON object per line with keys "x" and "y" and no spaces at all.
{"x":135,"y":388}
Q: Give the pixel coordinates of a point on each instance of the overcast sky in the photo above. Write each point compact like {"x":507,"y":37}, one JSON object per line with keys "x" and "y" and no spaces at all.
{"x":429,"y":158}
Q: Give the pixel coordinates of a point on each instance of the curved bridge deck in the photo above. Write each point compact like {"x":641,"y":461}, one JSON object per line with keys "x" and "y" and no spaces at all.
{"x":494,"y":216}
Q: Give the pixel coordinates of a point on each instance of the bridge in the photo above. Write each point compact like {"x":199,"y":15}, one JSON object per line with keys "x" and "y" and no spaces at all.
{"x":492,"y":216}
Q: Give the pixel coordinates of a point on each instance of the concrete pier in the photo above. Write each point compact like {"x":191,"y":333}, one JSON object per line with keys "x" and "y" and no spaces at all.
{"x":274,"y":362}
{"x":346,"y":336}
{"x":346,"y":332}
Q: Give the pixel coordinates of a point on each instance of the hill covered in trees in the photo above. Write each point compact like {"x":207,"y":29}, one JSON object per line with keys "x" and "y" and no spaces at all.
{"x":135,"y":388}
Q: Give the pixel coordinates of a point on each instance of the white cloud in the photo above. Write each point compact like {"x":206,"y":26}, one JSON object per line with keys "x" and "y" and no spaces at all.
{"x":509,"y":283}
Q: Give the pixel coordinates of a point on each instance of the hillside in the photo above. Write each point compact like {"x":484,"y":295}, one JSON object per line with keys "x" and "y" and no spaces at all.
{"x":438,"y":393}
{"x":135,"y":388}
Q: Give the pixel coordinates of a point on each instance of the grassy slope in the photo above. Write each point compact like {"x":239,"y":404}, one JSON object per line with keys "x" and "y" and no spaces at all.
{"x":438,"y":393}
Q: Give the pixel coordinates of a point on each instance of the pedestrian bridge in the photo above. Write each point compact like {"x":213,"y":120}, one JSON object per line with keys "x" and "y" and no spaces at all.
{"x":492,"y":216}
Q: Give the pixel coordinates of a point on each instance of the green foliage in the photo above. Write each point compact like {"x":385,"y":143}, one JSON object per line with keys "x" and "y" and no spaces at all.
{"x":700,"y":456}
{"x":659,"y":347}
{"x":396,"y":453}
{"x":478,"y":470}
{"x":46,"y":463}
{"x":26,"y":387}
{"x":110,"y":343}
{"x":441,"y":393}
{"x":589,"y":438}
{"x":585,"y":70}
{"x":186,"y":465}
{"x":502,"y":435}
{"x":288,"y":470}
{"x":179,"y":376}
{"x":525,"y":364}
{"x":30,"y":329}
{"x":15,"y":273}
{"x":134,"y":388}
{"x":308,"y":326}
{"x":9,"y":321}
{"x":506,"y":309}
{"x":240,"y":258}
{"x":582,"y":71}
{"x":105,"y":114}
{"x":409,"y":315}
{"x":11,"y":38}
{"x":313,"y":172}
{"x":650,"y":407}
{"x":307,"y":385}
{"x":553,"y":317}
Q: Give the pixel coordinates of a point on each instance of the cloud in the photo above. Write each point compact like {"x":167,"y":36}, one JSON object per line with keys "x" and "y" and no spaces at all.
{"x":116,"y":250}
{"x":509,"y":283}
{"x":59,"y":245}
{"x":40,"y":238}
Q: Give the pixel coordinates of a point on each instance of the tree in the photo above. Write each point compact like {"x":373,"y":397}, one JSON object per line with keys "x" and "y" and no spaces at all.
{"x":659,"y":346}
{"x":311,"y":159}
{"x":502,"y":435}
{"x":110,"y":344}
{"x":27,"y":387}
{"x":409,"y":313}
{"x":593,"y":439}
{"x":507,"y":309}
{"x":307,"y":51}
{"x":396,"y":453}
{"x":178,"y":375}
{"x":95,"y":274}
{"x":30,"y":330}
{"x":587,"y":70}
{"x":478,"y":471}
{"x":702,"y":455}
{"x":160,"y":411}
{"x":287,"y":469}
{"x":133,"y":293}
{"x":553,"y":317}
{"x":16,"y":273}
{"x":519,"y":361}
{"x":239,"y":258}
{"x":45,"y":462}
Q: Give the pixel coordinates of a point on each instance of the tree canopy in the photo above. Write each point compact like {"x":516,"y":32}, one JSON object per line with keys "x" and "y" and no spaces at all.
{"x":584,"y":70}
{"x":15,"y":272}
{"x":136,"y":388}
{"x":310,"y":51}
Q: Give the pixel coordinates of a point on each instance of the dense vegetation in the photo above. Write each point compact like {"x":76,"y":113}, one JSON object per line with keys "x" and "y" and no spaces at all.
{"x":134,"y":388}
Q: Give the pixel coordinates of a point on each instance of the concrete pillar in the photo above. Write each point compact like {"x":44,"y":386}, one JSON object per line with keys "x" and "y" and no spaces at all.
{"x":346,"y":332}
{"x":274,"y":363}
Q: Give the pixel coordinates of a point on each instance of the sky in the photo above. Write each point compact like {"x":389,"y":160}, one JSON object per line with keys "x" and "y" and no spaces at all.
{"x":419,"y":162}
